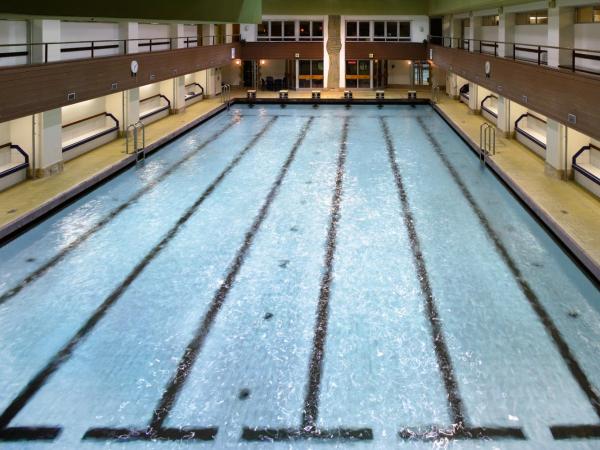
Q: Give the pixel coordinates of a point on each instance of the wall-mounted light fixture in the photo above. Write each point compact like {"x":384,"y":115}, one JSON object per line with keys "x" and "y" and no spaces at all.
{"x":238,"y":62}
{"x":262,"y":62}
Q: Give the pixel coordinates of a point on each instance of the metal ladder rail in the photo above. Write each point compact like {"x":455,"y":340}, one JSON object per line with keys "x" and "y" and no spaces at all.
{"x":226,"y":94}
{"x":140,"y":152}
{"x":435,"y":94}
{"x":487,"y":141}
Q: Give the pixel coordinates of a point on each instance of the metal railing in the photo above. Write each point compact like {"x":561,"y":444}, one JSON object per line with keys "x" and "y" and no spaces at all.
{"x":519,"y":51}
{"x":46,"y":52}
{"x":487,"y":141}
{"x":226,"y":94}
{"x":578,"y":168}
{"x":140,"y":152}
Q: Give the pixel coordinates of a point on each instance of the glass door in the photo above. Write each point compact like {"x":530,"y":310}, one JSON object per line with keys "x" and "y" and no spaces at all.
{"x":310,"y":74}
{"x":358,"y":73}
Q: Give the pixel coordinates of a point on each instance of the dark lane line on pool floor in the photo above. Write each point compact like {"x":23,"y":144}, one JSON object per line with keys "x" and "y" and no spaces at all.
{"x":460,"y":428}
{"x":308,"y":428}
{"x":558,"y":432}
{"x":63,"y":355}
{"x":40,"y":271}
{"x":156,"y":429}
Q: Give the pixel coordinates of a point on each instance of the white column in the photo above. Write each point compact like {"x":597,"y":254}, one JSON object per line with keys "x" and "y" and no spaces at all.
{"x":178,"y":94}
{"x":228,"y":33}
{"x":48,"y":143}
{"x":556,"y":148}
{"x":46,"y":32}
{"x":4,"y":139}
{"x":452,"y":85}
{"x":506,"y":33}
{"x":208,"y":34}
{"x":130,"y":30}
{"x":504,"y":115}
{"x":561,"y":33}
{"x":474,"y":32}
{"x":455,"y":31}
{"x":176,"y":30}
{"x":474,"y":98}
{"x":325,"y":54}
{"x":131,"y":106}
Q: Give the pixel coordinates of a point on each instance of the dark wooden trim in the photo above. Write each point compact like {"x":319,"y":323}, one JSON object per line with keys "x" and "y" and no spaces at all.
{"x":282,"y":50}
{"x":386,"y":50}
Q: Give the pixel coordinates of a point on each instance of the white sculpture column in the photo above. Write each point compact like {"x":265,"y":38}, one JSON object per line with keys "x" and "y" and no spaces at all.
{"x":474,"y":32}
{"x":506,"y":33}
{"x":556,"y":151}
{"x":561,"y":33}
{"x":474,"y":98}
{"x":45,"y":32}
{"x":47,"y":130}
{"x":504,"y":115}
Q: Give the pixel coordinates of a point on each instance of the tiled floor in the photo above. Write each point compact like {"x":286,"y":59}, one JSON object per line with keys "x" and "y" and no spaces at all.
{"x":573,"y":209}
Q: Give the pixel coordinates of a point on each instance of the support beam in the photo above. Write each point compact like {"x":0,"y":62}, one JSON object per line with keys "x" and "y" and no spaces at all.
{"x":48,"y":144}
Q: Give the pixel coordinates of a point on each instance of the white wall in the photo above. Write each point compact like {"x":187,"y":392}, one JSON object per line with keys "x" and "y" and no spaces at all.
{"x":248,"y":32}
{"x":489,"y":34}
{"x":399,"y":72}
{"x":13,"y":32}
{"x":89,"y":31}
{"x":531,"y":34}
{"x":21,"y":133}
{"x":587,"y":36}
{"x":81,"y":110}
{"x":151,"y":30}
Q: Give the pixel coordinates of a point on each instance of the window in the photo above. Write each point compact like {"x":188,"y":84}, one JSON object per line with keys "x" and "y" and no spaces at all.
{"x":587,"y":14}
{"x":289,"y":31}
{"x":532,"y":18}
{"x":276,"y":31}
{"x":358,"y":31}
{"x":263,"y":30}
{"x":490,"y":21}
{"x":310,"y":31}
{"x":358,"y":73}
{"x":391,"y":31}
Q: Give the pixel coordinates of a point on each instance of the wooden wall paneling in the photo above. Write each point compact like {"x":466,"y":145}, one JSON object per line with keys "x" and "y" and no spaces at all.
{"x":386,"y":50}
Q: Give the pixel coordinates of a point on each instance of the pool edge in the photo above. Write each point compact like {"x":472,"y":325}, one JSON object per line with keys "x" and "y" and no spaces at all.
{"x":577,"y":251}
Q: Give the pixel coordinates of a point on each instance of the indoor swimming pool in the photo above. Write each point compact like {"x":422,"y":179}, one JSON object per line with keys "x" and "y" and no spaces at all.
{"x":299,"y":278}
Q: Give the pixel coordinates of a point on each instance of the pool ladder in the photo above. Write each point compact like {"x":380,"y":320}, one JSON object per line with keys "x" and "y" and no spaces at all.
{"x":226,"y":94}
{"x":487,"y":141}
{"x":139,"y":151}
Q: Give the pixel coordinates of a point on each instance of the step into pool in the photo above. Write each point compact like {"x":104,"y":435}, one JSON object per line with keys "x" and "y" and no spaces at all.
{"x":296,"y":278}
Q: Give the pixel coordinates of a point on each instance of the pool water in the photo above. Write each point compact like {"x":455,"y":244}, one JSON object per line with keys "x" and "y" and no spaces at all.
{"x":299,"y":278}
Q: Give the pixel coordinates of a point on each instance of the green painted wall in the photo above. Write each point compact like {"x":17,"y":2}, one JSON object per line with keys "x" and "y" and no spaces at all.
{"x":440,"y":7}
{"x":358,"y":7}
{"x":234,"y":11}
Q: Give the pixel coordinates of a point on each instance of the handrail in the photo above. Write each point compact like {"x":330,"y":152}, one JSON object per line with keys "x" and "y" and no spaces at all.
{"x":154,"y":96}
{"x":487,"y":141}
{"x":582,"y":170}
{"x":527,"y":135}
{"x":18,"y":167}
{"x":539,"y":49}
{"x":120,"y":44}
{"x":93,"y":117}
{"x":489,"y":111}
{"x":196,"y":84}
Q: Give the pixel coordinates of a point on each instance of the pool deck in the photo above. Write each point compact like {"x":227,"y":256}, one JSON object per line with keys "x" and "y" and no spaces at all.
{"x":568,"y":210}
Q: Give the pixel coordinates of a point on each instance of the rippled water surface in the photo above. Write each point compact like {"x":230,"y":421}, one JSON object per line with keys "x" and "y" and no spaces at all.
{"x":299,"y":278}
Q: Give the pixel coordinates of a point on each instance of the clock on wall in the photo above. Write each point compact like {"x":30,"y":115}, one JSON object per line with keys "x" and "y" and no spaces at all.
{"x":134,"y":68}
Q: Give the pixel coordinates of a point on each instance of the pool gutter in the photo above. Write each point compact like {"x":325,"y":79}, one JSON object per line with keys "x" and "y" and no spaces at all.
{"x":576,"y":250}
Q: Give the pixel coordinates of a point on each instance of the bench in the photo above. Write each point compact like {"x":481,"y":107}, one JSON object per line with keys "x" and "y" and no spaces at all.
{"x":464,"y":94}
{"x":87,"y":134}
{"x":531,"y":132}
{"x":13,"y":165}
{"x":154,"y":108}
{"x":194,"y":93}
{"x":489,"y":108}
{"x":586,"y":167}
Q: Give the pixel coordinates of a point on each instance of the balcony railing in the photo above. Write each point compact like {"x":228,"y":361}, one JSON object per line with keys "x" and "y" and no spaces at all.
{"x":43,"y":53}
{"x":533,"y":53}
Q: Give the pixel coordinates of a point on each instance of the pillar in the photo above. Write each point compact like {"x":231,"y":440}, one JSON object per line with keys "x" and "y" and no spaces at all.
{"x":452,"y":85}
{"x":130,"y":30}
{"x":474,"y":32}
{"x":178,"y":94}
{"x":228,"y":33}
{"x":42,"y":32}
{"x":504,"y":116}
{"x":474,"y":98}
{"x":177,"y":33}
{"x":5,"y":139}
{"x":556,"y":149}
{"x":561,"y":33}
{"x":455,"y":31}
{"x":506,"y":33}
{"x":48,"y":144}
{"x":334,"y":47}
{"x":208,"y":34}
{"x":131,"y":106}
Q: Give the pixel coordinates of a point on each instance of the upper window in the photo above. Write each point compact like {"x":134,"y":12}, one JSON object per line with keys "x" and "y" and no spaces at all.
{"x":532,"y":18}
{"x":490,"y":21}
{"x":358,"y":30}
{"x":290,"y":30}
{"x":384,"y":30}
{"x":587,"y":14}
{"x":391,"y":31}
